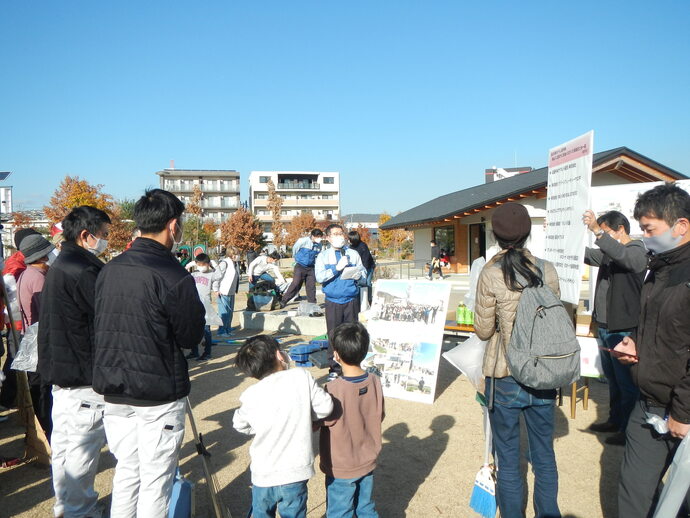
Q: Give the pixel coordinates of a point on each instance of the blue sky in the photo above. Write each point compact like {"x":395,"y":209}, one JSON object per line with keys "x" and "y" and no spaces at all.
{"x":408,"y":100}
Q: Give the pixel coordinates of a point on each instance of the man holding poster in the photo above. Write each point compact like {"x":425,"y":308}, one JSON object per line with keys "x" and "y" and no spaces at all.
{"x":569,"y":184}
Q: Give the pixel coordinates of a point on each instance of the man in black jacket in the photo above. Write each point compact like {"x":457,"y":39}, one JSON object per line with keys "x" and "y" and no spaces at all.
{"x":147,"y":310}
{"x":622,"y":262}
{"x":65,"y":360}
{"x":659,"y":350}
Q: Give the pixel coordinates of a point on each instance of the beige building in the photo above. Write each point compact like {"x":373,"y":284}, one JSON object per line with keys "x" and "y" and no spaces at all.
{"x":301,"y":191}
{"x":220,"y":189}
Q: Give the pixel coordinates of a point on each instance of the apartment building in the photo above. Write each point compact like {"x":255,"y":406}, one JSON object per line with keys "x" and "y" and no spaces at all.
{"x":220,"y":189}
{"x":301,"y":191}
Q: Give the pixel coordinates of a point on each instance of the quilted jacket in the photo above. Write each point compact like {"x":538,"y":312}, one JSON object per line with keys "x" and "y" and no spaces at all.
{"x":495,"y":311}
{"x":147,"y":311}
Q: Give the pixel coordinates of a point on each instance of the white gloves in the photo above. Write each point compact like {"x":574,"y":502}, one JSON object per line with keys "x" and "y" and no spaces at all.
{"x":341,"y":264}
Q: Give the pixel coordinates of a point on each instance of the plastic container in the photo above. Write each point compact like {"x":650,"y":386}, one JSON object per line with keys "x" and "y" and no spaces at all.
{"x":320,"y":343}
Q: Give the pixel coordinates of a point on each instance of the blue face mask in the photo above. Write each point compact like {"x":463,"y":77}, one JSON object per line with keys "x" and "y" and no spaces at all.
{"x":663,"y":242}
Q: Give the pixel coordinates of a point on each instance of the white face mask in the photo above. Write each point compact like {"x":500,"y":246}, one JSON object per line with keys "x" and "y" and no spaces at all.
{"x":204,"y":269}
{"x":52,"y":256}
{"x":101,"y":245}
{"x":176,"y":242}
{"x":663,"y":242}
{"x":338,"y":241}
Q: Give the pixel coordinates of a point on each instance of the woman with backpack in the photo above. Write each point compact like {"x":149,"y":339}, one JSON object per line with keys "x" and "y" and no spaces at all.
{"x":500,"y":286}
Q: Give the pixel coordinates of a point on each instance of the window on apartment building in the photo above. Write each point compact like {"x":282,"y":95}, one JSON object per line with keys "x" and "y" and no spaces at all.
{"x":261,"y":196}
{"x":267,"y":227}
{"x":328,"y":179}
{"x":264,"y":179}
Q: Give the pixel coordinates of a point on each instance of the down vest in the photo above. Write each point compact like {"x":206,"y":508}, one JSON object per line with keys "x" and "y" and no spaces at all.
{"x":147,"y":309}
{"x":498,"y":304}
{"x":66,"y":333}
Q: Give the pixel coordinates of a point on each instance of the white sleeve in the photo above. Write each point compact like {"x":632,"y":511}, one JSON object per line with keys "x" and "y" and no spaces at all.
{"x":240,"y":422}
{"x":321,"y":401}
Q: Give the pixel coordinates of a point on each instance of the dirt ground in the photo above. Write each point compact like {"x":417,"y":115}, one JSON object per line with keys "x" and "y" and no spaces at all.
{"x":430,"y":456}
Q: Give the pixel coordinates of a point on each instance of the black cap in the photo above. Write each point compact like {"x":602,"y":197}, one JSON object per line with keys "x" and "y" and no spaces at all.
{"x":21,"y":234}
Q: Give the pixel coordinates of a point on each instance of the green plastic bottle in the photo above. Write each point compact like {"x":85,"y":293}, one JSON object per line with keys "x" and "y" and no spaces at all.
{"x":459,"y":314}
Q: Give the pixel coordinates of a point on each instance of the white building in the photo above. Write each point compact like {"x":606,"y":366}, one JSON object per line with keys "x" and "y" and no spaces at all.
{"x":220,"y":189}
{"x":301,"y":191}
{"x":368,"y":221}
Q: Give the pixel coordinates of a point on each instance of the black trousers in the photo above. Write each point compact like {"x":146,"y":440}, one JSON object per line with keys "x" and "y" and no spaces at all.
{"x":337,"y":314}
{"x":646,"y":458}
{"x":302,"y":275}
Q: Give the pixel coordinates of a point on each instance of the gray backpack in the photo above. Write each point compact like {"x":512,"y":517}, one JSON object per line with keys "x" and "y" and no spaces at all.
{"x":543,"y":352}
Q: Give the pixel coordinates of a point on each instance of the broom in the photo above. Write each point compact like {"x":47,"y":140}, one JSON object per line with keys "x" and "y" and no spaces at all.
{"x":483,"y":499}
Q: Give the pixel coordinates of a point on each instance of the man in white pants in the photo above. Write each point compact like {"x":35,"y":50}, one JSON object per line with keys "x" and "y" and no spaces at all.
{"x":65,"y":360}
{"x":147,"y":310}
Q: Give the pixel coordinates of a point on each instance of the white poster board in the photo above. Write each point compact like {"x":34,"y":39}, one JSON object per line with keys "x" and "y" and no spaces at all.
{"x":590,"y":359}
{"x":405,"y":324}
{"x":623,"y":197}
{"x":569,"y":184}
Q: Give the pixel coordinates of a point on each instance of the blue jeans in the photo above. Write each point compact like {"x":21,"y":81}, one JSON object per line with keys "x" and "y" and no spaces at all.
{"x":347,"y":497}
{"x":226,"y":306}
{"x":537,"y":407}
{"x":623,"y":394}
{"x":208,"y":341}
{"x":263,"y":277}
{"x":289,"y":499}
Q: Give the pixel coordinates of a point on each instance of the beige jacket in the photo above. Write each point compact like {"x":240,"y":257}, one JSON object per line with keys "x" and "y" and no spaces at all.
{"x":497,"y":304}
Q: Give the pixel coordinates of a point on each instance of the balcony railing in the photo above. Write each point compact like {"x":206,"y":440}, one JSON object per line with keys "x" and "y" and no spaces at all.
{"x":298,"y":184}
{"x":204,"y":188}
{"x":206,"y":204}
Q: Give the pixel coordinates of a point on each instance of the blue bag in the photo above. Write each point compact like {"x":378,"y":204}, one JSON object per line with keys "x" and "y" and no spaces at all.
{"x":182,"y":498}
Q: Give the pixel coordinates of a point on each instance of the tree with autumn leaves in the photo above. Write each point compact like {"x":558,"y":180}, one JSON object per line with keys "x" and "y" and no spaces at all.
{"x":300,"y":224}
{"x":275,"y":205}
{"x":74,"y":192}
{"x":392,"y":240}
{"x":242,"y":232}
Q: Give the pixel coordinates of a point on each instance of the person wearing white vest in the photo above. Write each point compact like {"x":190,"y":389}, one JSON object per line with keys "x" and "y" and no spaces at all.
{"x":226,"y":288}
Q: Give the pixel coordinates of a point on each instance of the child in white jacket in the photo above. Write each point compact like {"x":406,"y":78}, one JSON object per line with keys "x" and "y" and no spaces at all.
{"x":279,"y":411}
{"x":205,"y":278}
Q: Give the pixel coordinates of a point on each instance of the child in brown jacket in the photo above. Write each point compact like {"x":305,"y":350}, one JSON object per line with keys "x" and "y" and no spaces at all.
{"x":350,"y":438}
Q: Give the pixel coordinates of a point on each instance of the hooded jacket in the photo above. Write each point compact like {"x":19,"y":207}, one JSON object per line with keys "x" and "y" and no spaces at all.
{"x":663,"y":334}
{"x":147,"y":311}
{"x":496,"y":304}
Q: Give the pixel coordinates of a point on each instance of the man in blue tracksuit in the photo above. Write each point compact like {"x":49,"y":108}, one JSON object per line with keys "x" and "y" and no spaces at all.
{"x":304,"y":252}
{"x":342,"y":295}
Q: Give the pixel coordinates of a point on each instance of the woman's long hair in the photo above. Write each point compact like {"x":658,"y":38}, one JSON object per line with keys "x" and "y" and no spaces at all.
{"x":516,"y":267}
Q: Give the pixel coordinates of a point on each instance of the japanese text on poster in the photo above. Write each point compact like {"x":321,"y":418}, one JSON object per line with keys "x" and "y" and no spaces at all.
{"x":569,"y":181}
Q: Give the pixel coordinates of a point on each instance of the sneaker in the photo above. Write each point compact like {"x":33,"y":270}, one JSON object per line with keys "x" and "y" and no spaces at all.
{"x":283,"y":304}
{"x":616,"y":439}
{"x":332,"y":376}
{"x":203,"y":358}
{"x":192,"y":356}
{"x":605,"y":427}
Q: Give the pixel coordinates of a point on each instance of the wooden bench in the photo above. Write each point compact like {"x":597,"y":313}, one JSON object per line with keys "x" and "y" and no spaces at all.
{"x":453,"y":328}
